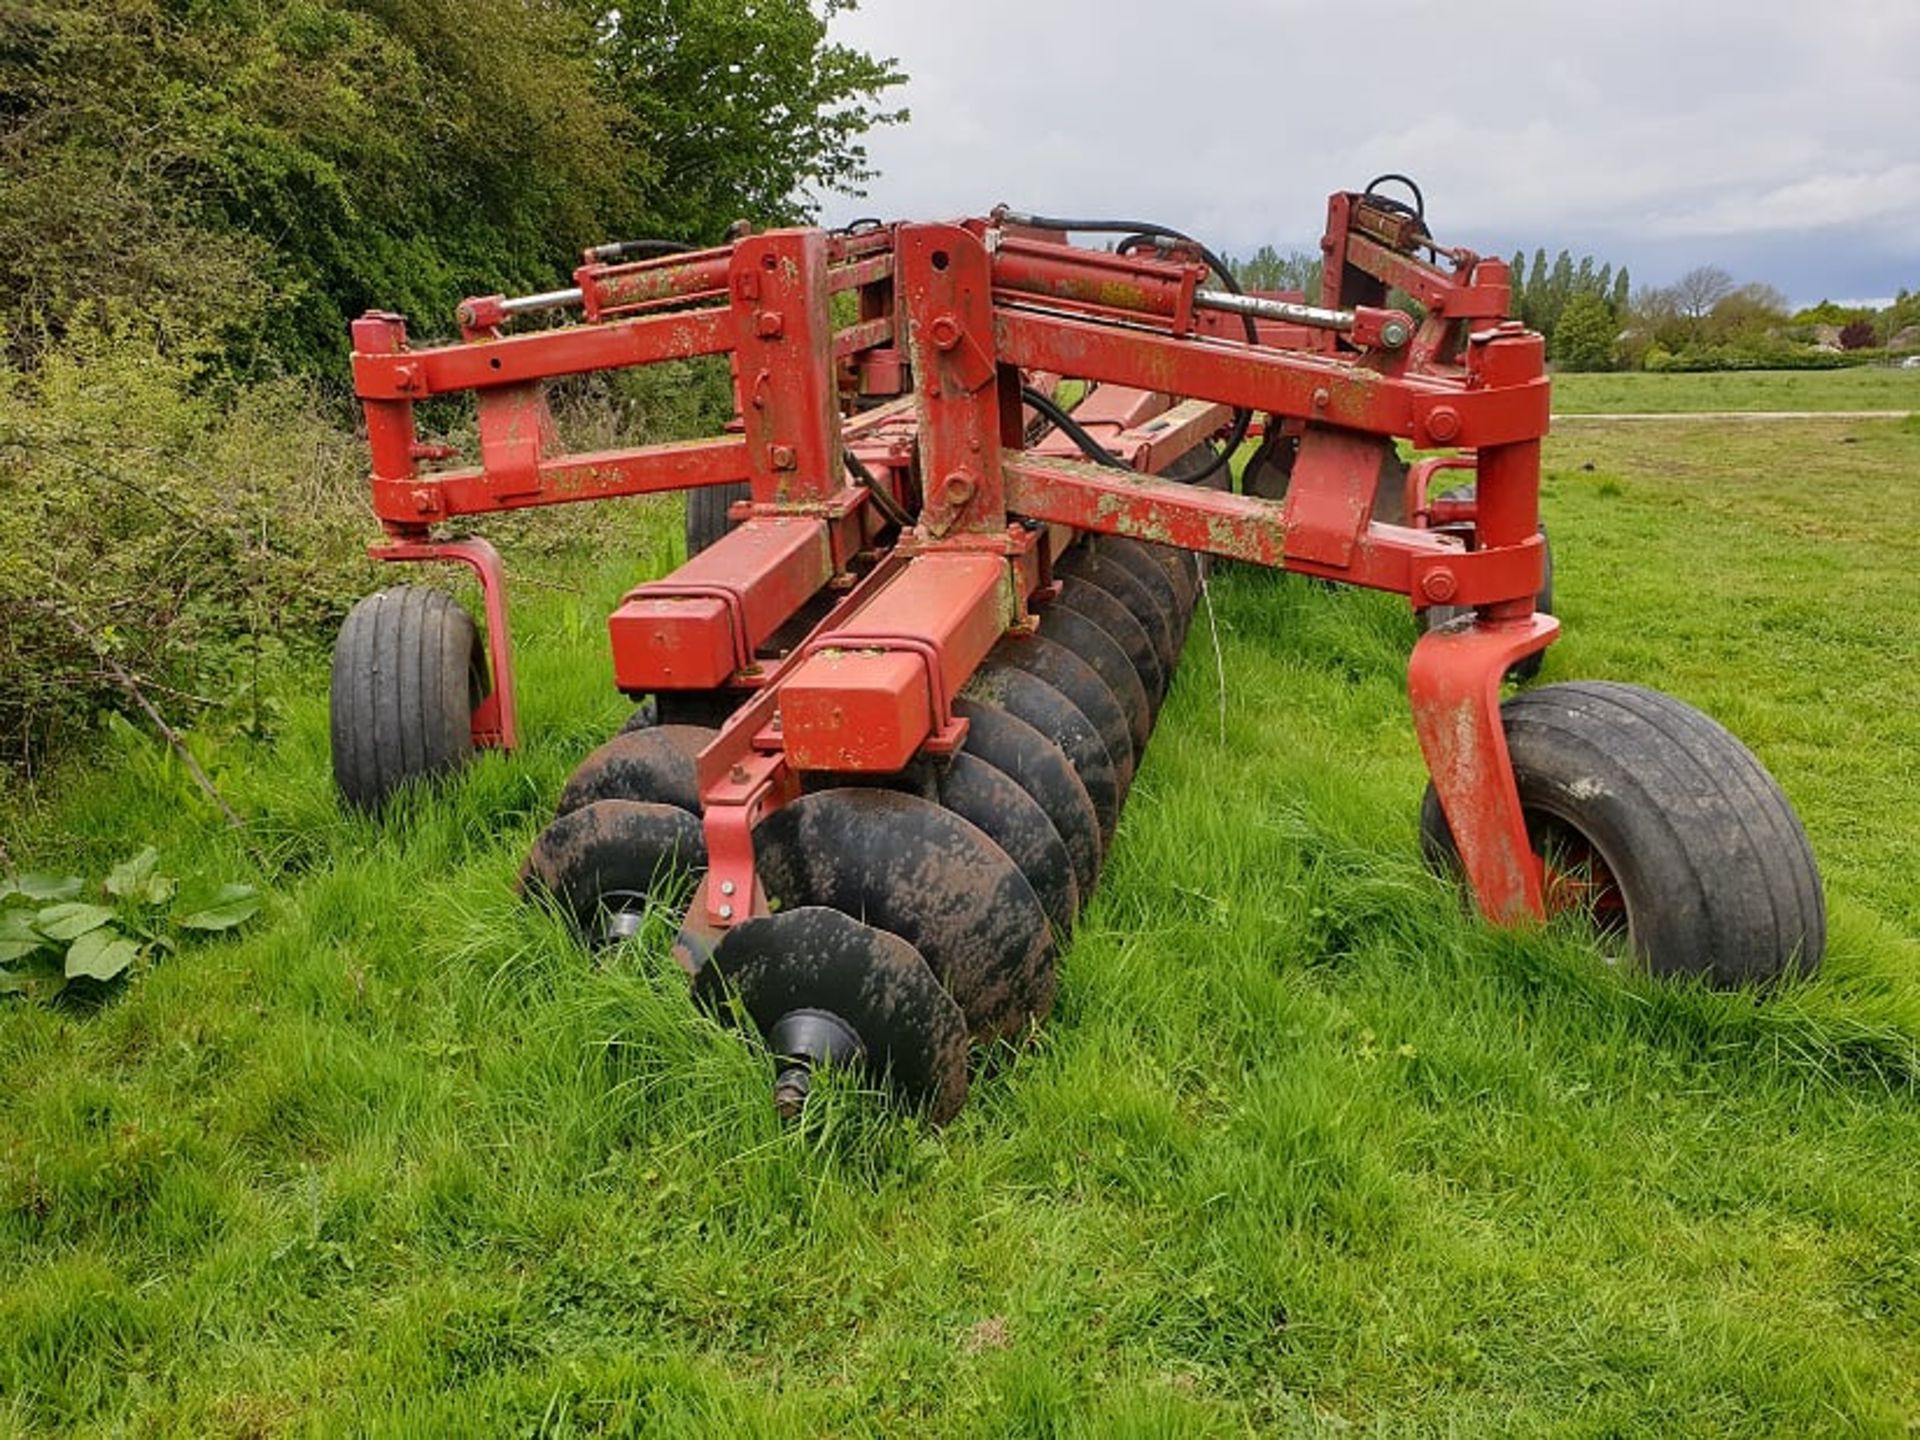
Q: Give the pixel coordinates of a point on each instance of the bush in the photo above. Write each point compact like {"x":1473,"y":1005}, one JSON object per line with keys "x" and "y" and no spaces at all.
{"x":187,"y":534}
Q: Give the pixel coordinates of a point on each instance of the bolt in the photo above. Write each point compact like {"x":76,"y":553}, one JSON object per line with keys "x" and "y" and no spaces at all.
{"x":726,"y":912}
{"x":1393,"y":335}
{"x":1439,"y":585}
{"x":738,"y":775}
{"x":1322,"y":398}
{"x":790,"y":1089}
{"x":783,"y":457}
{"x":726,"y":887}
{"x":945,"y":331}
{"x":466,"y":315}
{"x":959,"y":489}
{"x":769,"y":324}
{"x":1443,"y":423}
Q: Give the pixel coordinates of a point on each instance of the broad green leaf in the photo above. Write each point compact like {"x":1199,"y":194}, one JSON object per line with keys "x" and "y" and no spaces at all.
{"x":130,"y":876}
{"x":100,"y":955}
{"x":47,"y":887}
{"x":18,"y":938}
{"x":70,"y":921}
{"x":229,"y":906}
{"x":159,"y":889}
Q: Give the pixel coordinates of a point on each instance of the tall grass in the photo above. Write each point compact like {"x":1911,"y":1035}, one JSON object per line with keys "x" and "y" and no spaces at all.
{"x":1303,"y":1149}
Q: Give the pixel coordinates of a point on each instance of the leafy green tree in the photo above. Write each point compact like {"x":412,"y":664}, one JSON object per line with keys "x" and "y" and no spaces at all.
{"x":1583,"y":340}
{"x":743,"y":110}
{"x":1271,"y":270}
{"x":241,"y":178}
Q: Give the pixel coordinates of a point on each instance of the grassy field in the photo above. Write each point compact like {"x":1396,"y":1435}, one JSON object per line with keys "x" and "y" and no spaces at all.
{"x":1863,"y":388}
{"x":1303,"y":1150}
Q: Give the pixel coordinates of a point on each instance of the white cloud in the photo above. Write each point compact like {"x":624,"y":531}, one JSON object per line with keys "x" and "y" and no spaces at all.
{"x":1636,"y":125}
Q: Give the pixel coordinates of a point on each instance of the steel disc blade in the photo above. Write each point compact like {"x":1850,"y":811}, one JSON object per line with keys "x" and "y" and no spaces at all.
{"x":1083,"y":597}
{"x":1179,"y":568}
{"x":1081,"y":684}
{"x":1151,"y":605}
{"x":987,"y":797}
{"x":1041,"y":768}
{"x":1100,"y":650}
{"x":610,"y":857}
{"x":914,"y":868}
{"x":1062,"y":722}
{"x":816,"y":958}
{"x":654,"y":764}
{"x":1166,"y":562}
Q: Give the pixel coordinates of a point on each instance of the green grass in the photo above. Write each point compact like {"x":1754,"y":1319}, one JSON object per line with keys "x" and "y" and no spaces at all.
{"x":1863,"y":388}
{"x":1302,"y":1150}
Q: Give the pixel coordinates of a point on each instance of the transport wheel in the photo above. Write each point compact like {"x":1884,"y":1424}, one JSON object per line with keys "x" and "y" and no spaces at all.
{"x":1041,"y":768}
{"x":408,"y":672}
{"x":654,"y":764}
{"x":707,"y":518}
{"x":914,"y":869}
{"x":1663,"y":829}
{"x":602,"y":865}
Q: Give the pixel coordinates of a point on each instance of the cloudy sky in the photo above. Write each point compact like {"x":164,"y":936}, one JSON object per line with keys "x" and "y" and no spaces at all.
{"x":1779,"y":139}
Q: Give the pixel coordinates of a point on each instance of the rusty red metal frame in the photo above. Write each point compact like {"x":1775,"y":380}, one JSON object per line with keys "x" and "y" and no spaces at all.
{"x":957,"y":315}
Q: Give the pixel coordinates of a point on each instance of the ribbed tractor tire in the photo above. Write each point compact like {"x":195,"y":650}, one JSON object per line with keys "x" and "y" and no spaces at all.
{"x":408,"y":672}
{"x":1691,"y":842}
{"x":707,"y":518}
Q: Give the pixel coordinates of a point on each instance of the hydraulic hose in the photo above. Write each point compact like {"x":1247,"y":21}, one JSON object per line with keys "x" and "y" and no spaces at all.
{"x":1139,"y":231}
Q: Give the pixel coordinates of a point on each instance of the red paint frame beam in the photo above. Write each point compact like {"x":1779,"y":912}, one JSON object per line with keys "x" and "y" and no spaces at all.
{"x":699,"y":626}
{"x":868,"y":701}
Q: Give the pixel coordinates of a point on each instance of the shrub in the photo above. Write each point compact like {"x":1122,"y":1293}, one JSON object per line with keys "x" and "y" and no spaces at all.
{"x":188,"y":534}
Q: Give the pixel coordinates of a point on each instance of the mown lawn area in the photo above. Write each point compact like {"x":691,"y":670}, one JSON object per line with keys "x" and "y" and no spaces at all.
{"x":1303,"y":1149}
{"x":1866,"y":387}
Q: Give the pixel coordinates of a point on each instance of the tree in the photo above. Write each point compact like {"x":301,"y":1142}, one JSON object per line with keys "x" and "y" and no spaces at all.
{"x":1622,"y":289}
{"x":743,"y":110}
{"x":1700,"y":289}
{"x":1856,"y":335}
{"x":1583,"y":340}
{"x":240,"y":179}
{"x":1270,"y":270}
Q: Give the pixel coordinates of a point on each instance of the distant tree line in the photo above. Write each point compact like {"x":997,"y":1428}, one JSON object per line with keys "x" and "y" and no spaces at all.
{"x":1594,"y":319}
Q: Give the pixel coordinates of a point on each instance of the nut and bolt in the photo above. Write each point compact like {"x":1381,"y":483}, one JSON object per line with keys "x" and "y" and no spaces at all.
{"x":1439,"y":585}
{"x":1443,"y":423}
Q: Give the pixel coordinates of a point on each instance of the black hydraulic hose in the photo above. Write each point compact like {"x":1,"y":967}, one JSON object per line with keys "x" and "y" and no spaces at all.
{"x":1099,"y":453}
{"x":1073,"y":430}
{"x":1139,"y":230}
{"x":887,"y":504}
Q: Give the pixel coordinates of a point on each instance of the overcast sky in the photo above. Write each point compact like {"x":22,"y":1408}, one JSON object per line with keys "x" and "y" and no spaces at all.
{"x":1779,"y":139}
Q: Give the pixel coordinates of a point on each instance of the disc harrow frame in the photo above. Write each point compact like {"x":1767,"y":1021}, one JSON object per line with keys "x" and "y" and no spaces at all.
{"x":903,"y":522}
